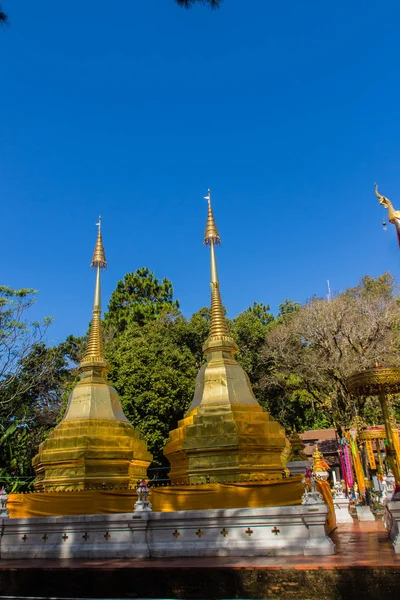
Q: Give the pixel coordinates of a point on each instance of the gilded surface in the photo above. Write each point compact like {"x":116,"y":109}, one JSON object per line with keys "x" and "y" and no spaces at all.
{"x":94,"y":445}
{"x":373,"y":434}
{"x":381,"y":381}
{"x":393,"y":215}
{"x":296,"y":448}
{"x":226,"y":435}
{"x":373,"y":382}
{"x":319,"y":463}
{"x":286,"y":492}
{"x":370,"y":454}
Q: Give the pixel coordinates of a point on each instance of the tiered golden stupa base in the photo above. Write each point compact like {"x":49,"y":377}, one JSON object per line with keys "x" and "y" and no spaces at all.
{"x":83,"y":454}
{"x":235,"y":442}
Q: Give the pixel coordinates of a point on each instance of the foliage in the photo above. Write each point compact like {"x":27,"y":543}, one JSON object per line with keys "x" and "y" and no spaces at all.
{"x":323,"y":342}
{"x":154,"y":372}
{"x":184,"y":3}
{"x":189,"y":3}
{"x":297,"y":362}
{"x":139,"y":298}
{"x":26,"y":419}
{"x":33,"y":381}
{"x":18,"y":337}
{"x":3,"y":16}
{"x":249,"y":330}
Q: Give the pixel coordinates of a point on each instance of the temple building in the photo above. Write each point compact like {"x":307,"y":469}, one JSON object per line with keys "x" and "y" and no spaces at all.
{"x":225,"y":435}
{"x":94,"y":445}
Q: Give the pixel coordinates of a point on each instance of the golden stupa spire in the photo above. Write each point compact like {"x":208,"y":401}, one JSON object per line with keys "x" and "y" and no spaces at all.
{"x":218,"y":326}
{"x":225,"y":434}
{"x":319,"y":463}
{"x":94,"y":354}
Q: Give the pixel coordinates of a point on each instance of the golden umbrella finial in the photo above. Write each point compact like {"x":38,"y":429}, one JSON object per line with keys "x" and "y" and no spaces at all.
{"x":99,"y":257}
{"x":318,"y":460}
{"x":211,"y":234}
{"x":94,"y":354}
{"x":218,"y":326}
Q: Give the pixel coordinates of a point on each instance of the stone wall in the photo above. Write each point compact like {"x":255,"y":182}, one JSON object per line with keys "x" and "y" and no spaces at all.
{"x":234,"y":532}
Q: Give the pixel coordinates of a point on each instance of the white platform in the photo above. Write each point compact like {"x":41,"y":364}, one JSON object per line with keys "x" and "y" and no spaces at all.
{"x":342,"y":510}
{"x":232,"y":532}
{"x":364,"y":513}
{"x":298,"y":467}
{"x":392,"y":523}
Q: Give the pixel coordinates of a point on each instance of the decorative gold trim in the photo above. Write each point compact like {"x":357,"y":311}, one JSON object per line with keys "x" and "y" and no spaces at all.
{"x":373,"y":382}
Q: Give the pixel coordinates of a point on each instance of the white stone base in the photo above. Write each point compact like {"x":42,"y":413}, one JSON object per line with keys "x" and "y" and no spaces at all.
{"x":364,"y":513}
{"x":342,"y":510}
{"x":298,"y":467}
{"x":233,"y":532}
{"x":391,"y":519}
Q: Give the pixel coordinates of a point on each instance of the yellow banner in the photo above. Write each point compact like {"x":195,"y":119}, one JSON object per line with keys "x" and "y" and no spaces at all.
{"x":370,"y":454}
{"x":357,"y":466}
{"x":396,"y":444}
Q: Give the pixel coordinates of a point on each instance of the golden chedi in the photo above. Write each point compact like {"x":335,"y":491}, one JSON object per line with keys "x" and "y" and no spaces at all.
{"x":94,"y":445}
{"x":297,"y":453}
{"x":320,"y":467}
{"x":225,"y":435}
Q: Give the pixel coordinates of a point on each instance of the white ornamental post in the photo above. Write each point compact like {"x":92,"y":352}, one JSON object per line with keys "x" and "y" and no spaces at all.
{"x":142,"y":504}
{"x":3,"y":503}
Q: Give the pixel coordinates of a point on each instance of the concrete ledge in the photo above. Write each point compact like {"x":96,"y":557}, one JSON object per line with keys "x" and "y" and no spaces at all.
{"x":391,"y":520}
{"x":269,"y":531}
{"x":342,"y":510}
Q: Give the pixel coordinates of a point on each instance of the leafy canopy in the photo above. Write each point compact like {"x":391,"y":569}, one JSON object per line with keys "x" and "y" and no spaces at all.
{"x":139,"y":298}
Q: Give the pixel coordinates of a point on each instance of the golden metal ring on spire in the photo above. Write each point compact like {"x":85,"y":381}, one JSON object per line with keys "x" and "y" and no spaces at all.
{"x":94,"y":354}
{"x":99,"y":257}
{"x":211,"y":234}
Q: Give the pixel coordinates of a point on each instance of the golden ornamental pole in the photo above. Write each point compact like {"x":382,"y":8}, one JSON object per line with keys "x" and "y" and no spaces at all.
{"x":218,"y":325}
{"x":390,"y":448}
{"x":380,"y":381}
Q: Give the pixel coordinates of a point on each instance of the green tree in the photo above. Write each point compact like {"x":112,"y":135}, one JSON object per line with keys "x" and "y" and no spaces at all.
{"x":3,"y":16}
{"x":154,"y":372}
{"x":193,"y":333}
{"x":154,"y":353}
{"x":18,"y":336}
{"x":184,"y":3}
{"x":32,"y":382}
{"x":139,"y":298}
{"x":189,"y":3}
{"x":248,"y":330}
{"x":26,"y":419}
{"x":325,"y":341}
{"x":287,"y":310}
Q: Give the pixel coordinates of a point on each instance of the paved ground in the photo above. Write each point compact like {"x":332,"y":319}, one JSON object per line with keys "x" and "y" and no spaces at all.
{"x":364,"y":567}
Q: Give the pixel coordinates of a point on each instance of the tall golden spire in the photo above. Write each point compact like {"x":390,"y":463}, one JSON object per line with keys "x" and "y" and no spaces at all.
{"x":218,"y":326}
{"x":225,"y":435}
{"x":94,"y":355}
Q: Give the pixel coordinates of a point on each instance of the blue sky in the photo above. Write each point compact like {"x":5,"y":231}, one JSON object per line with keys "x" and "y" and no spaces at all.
{"x":289,"y":111}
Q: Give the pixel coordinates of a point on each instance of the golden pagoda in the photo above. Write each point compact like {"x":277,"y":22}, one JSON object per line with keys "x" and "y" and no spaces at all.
{"x":319,"y":463}
{"x":225,"y":435}
{"x":94,"y":445}
{"x":296,"y":447}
